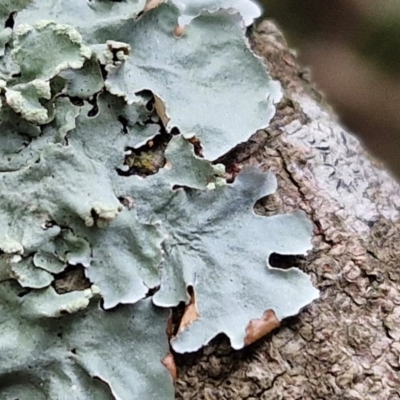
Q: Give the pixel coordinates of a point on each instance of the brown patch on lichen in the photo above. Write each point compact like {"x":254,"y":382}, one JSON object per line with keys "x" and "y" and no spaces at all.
{"x":179,"y":31}
{"x":191,"y":313}
{"x":161,"y":111}
{"x":257,"y":328}
{"x":198,"y":149}
{"x":150,"y":4}
{"x":170,"y":326}
{"x":169,"y":363}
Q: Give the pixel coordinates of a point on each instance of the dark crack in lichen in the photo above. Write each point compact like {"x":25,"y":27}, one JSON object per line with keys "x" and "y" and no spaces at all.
{"x":147,"y":159}
{"x":71,"y":279}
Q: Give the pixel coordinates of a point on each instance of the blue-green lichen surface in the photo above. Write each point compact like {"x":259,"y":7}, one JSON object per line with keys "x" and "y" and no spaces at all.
{"x":85,"y":87}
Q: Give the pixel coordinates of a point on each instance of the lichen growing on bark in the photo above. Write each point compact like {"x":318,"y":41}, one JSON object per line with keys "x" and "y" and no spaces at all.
{"x":94,"y":250}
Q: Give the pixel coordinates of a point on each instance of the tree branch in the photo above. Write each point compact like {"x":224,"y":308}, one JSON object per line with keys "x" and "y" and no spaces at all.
{"x":346,"y":345}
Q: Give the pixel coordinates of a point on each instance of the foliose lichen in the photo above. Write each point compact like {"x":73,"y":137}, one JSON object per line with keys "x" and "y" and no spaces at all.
{"x":111,"y":119}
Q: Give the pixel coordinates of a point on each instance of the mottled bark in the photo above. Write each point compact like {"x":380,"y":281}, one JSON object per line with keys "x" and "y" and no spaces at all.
{"x":346,"y":345}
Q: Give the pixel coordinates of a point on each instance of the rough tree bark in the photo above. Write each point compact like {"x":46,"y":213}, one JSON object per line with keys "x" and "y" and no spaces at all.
{"x":346,"y":345}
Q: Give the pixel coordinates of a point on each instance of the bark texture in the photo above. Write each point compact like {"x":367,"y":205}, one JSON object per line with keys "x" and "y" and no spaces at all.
{"x":346,"y":345}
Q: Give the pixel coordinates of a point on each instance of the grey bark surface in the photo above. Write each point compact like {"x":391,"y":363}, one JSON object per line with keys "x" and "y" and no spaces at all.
{"x":346,"y":345}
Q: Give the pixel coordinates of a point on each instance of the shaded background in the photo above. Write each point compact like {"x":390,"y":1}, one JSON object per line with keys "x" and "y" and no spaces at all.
{"x":352,"y":48}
